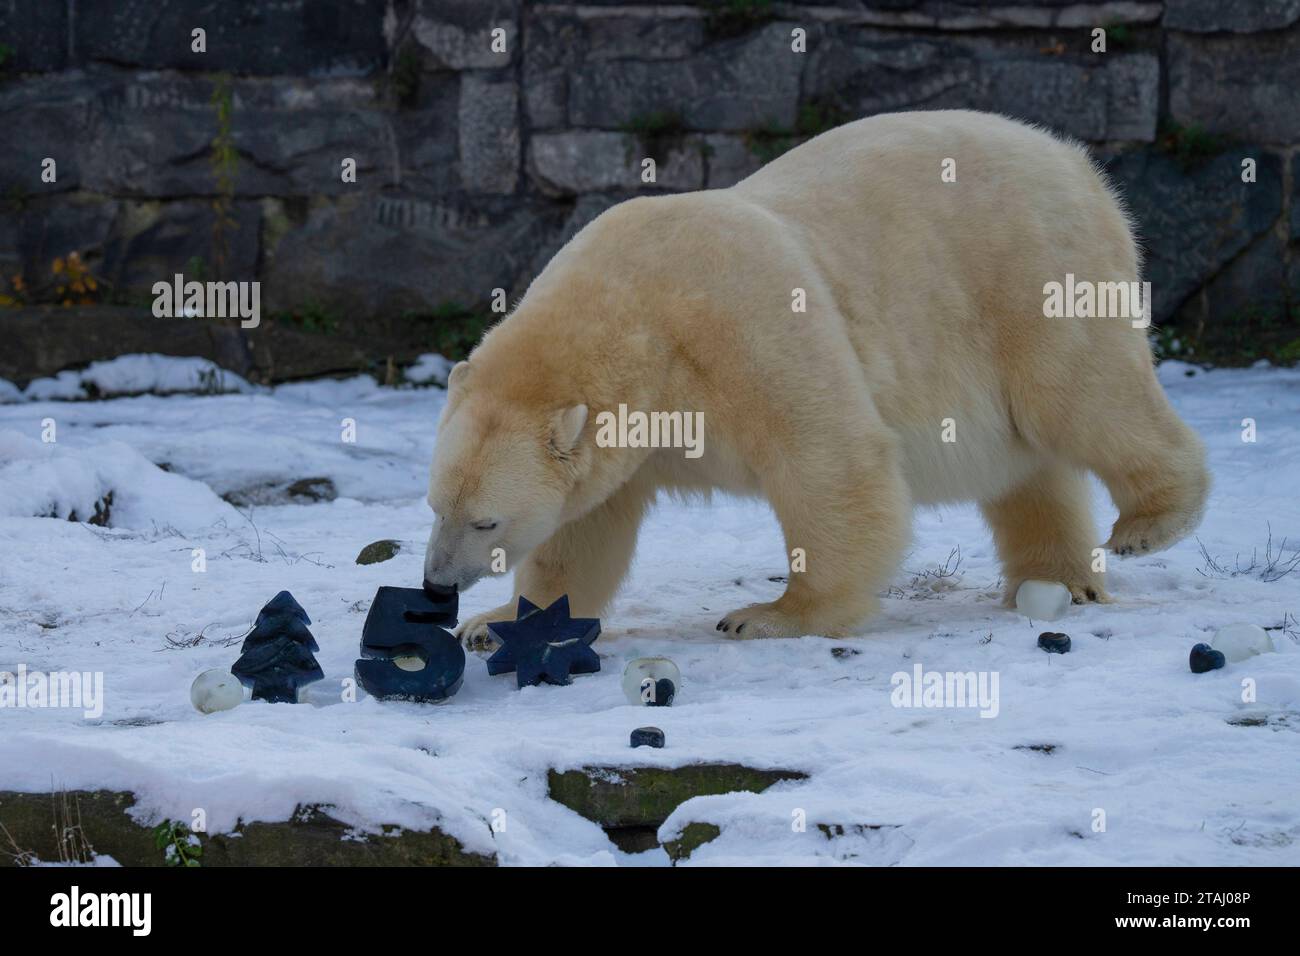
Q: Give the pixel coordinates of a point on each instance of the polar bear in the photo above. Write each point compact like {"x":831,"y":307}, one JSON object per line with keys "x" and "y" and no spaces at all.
{"x":923,"y":368}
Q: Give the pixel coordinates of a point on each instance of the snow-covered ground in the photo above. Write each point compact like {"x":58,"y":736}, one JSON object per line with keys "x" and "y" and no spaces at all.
{"x":1148,"y":763}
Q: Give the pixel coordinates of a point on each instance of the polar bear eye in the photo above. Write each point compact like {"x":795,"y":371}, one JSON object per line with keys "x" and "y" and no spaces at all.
{"x":485,"y":525}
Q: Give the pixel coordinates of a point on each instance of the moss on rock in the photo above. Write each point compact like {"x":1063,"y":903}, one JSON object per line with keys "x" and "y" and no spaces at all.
{"x":692,"y":837}
{"x":377,"y":551}
{"x":310,"y":838}
{"x":646,"y":796}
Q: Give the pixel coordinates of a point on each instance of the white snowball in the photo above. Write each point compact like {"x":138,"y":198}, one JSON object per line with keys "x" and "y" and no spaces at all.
{"x":216,"y":690}
{"x":1240,"y":641}
{"x":648,"y":668}
{"x":1043,"y":600}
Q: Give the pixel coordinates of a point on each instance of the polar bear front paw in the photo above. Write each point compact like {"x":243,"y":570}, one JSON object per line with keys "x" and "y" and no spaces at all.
{"x":474,"y":632}
{"x":760,"y":620}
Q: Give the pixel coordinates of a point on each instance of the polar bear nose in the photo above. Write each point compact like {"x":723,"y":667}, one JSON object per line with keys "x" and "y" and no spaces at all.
{"x":439,"y":592}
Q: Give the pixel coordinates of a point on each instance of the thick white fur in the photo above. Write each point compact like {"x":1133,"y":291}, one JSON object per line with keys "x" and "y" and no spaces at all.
{"x":924,"y":303}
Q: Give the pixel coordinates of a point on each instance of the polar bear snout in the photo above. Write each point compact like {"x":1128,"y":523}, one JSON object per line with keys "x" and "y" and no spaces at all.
{"x":446,"y":566}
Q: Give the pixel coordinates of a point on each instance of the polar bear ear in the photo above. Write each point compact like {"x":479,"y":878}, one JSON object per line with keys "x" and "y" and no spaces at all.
{"x":566,"y":427}
{"x":457,"y":373}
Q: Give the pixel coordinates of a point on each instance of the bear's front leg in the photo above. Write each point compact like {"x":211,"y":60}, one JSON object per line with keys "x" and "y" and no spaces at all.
{"x":845,"y":512}
{"x":586,"y":559}
{"x":474,"y":631}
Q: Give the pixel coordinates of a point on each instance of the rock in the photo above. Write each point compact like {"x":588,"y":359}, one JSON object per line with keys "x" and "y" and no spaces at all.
{"x":1251,"y":288}
{"x":52,"y":111}
{"x":844,"y":653}
{"x":1205,"y":658}
{"x":128,"y":244}
{"x":1247,"y":87}
{"x":557,"y":40}
{"x":312,"y":489}
{"x":51,"y":227}
{"x":291,"y":37}
{"x":428,"y":137}
{"x":489,"y":134}
{"x":154,"y":240}
{"x":755,"y":84}
{"x":377,"y":551}
{"x":310,"y":838}
{"x":1215,"y":16}
{"x":585,"y":209}
{"x":103,"y":510}
{"x":943,"y":15}
{"x":373,"y":255}
{"x":457,"y":34}
{"x":301,"y":491}
{"x":689,"y":839}
{"x":1194,"y":222}
{"x":1295,"y":200}
{"x":36,"y":43}
{"x":866,"y":71}
{"x":728,"y":159}
{"x":587,"y":161}
{"x":150,"y":134}
{"x":552,"y":47}
{"x":646,"y":796}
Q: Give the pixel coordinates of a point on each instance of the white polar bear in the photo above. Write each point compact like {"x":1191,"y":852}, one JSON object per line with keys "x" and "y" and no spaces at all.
{"x":923,"y":370}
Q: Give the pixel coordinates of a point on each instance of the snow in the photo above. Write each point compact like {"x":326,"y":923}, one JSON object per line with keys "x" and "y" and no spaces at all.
{"x":430,"y":368}
{"x":52,"y":480}
{"x":135,"y":374}
{"x":1183,"y":769}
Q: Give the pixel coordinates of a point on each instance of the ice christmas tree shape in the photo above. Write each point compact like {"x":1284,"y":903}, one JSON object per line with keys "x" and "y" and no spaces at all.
{"x":544,"y":645}
{"x":411,"y":622}
{"x":277,"y":656}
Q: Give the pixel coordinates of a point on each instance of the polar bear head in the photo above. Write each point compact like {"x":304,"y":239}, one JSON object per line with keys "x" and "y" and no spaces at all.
{"x":502,"y":473}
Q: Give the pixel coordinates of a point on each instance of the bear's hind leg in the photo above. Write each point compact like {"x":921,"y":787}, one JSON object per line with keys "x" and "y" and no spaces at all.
{"x":1160,"y":482}
{"x":1043,"y":530}
{"x":1119,"y":424}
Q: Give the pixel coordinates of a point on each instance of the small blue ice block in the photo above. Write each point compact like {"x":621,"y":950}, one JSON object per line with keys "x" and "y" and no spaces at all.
{"x":665,"y":691}
{"x":1054,"y":643}
{"x":544,"y":645}
{"x":394,"y":608}
{"x":276,"y":657}
{"x":275,"y":670}
{"x":283,"y":606}
{"x":647,"y":737}
{"x":1205,"y":658}
{"x":411,"y":621}
{"x":281,"y":617}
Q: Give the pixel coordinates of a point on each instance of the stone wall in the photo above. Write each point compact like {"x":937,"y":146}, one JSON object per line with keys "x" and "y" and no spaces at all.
{"x":474,"y":165}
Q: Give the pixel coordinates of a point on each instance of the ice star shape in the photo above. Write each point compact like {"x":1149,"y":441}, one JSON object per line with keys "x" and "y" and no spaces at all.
{"x":544,"y":645}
